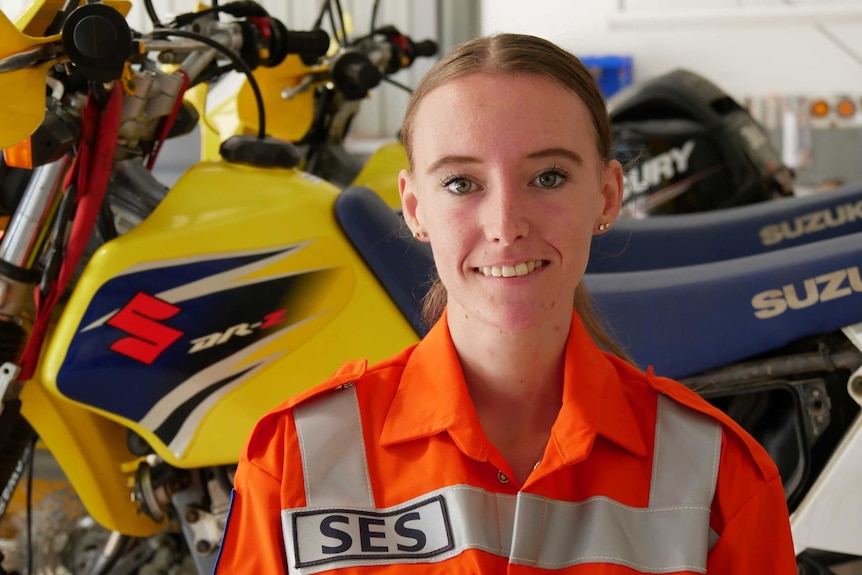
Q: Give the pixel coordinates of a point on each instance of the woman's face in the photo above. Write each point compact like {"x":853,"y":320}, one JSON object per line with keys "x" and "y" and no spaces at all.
{"x":508,"y":185}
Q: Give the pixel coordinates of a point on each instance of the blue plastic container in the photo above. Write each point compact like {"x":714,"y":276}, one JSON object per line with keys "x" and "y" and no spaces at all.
{"x":613,"y":73}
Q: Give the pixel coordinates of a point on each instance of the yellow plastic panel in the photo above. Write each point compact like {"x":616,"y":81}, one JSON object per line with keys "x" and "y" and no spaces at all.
{"x":285,"y":119}
{"x":380,"y":173}
{"x":22,"y":92}
{"x":90,"y":450}
{"x":218,"y":208}
{"x":40,"y":14}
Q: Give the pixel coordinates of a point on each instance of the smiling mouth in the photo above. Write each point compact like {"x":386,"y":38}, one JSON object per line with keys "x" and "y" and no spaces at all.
{"x":520,"y":269}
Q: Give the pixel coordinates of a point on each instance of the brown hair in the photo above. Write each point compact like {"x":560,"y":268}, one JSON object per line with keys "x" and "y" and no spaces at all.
{"x":522,"y":54}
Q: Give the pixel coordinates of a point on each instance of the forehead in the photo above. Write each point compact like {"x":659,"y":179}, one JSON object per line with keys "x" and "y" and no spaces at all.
{"x":516,"y":111}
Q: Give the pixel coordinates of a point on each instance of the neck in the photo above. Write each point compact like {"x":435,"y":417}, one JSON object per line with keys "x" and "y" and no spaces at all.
{"x":515,"y":379}
{"x":510,"y":362}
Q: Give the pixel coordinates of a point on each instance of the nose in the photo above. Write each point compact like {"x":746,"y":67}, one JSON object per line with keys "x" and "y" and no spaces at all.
{"x":505,"y":214}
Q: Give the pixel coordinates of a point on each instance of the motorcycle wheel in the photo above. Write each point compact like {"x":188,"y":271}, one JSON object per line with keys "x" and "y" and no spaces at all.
{"x":67,"y":541}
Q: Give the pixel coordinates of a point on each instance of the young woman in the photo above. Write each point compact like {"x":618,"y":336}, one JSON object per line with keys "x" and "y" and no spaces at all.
{"x":511,"y":439}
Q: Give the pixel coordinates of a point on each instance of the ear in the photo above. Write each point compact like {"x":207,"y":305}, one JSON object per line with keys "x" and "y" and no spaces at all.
{"x":409,"y":201}
{"x":612,"y":192}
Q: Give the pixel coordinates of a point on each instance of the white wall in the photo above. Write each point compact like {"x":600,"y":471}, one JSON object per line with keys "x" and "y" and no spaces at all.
{"x":748,"y":47}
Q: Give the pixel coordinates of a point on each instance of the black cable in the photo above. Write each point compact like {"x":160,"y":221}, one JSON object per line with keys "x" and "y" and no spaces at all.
{"x":324,"y":8}
{"x":333,"y":25}
{"x":344,"y":40}
{"x":151,"y":12}
{"x":30,"y":506}
{"x":374,"y":9}
{"x":404,"y":87}
{"x":235,"y":60}
{"x":60,"y":17}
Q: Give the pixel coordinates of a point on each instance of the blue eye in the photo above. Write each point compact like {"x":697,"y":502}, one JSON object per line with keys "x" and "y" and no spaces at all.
{"x":550,"y":179}
{"x":457,"y":185}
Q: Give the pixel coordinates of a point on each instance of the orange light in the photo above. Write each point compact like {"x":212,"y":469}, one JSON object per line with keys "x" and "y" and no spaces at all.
{"x":846,"y":108}
{"x":819,"y":108}
{"x":20,"y":155}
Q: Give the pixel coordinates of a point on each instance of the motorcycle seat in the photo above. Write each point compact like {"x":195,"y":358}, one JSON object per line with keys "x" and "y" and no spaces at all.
{"x":685,"y":320}
{"x":681,"y":320}
{"x":690,"y":239}
{"x":402,"y":265}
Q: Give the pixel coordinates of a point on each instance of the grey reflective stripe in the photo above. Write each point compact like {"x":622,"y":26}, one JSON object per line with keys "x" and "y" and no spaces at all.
{"x":672,"y":534}
{"x":526,"y":529}
{"x":329,"y":428}
{"x":553,"y":534}
{"x":685,"y":455}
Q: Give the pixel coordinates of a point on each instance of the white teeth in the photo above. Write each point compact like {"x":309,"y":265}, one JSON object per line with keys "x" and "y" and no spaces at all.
{"x":520,"y":269}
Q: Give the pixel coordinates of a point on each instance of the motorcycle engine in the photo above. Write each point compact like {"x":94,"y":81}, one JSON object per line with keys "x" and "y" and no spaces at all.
{"x":690,"y":147}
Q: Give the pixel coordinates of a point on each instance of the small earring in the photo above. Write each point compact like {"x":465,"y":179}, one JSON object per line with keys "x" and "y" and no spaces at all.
{"x":604,"y":226}
{"x":419,"y":235}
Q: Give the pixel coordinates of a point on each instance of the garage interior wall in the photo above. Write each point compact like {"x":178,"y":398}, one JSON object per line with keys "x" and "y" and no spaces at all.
{"x":776,"y":55}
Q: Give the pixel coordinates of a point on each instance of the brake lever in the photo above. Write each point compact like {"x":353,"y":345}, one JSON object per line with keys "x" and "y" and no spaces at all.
{"x":307,"y":82}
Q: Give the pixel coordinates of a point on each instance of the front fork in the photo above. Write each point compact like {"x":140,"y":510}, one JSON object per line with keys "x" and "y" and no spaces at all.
{"x":20,"y":250}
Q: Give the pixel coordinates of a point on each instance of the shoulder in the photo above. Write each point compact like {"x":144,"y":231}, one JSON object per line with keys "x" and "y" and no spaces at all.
{"x":738,"y":447}
{"x":278,"y":422}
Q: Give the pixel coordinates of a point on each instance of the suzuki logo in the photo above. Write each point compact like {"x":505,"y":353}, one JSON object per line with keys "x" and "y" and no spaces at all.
{"x":147,"y":337}
{"x":826,"y":287}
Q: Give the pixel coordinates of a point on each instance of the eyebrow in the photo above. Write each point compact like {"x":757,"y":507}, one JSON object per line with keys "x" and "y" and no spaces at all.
{"x":558,"y":152}
{"x":544,"y":153}
{"x":451,"y":159}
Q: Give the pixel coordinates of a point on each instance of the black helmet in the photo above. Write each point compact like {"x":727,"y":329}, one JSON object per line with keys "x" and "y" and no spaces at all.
{"x":689,"y":147}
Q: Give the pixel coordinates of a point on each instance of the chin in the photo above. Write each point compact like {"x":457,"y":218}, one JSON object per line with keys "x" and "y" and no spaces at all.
{"x":517,"y":318}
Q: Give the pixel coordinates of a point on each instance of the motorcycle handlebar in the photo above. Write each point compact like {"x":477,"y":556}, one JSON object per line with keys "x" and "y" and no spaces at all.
{"x":309,"y":45}
{"x":353,"y":75}
{"x":277,"y":41}
{"x":425,"y":48}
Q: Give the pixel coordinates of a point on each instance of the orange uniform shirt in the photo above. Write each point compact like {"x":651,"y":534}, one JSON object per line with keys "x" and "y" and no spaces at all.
{"x":421,"y":433}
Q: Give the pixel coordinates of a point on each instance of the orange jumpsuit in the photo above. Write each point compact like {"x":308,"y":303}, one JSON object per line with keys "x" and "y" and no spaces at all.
{"x":589,"y":506}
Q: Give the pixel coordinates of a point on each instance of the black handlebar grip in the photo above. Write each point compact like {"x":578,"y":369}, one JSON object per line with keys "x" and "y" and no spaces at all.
{"x":353,"y":75}
{"x":310,"y":45}
{"x":98,"y":41}
{"x":426,"y":48}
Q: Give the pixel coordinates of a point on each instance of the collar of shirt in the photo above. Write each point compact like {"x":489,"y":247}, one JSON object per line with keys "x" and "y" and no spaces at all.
{"x":432,"y":397}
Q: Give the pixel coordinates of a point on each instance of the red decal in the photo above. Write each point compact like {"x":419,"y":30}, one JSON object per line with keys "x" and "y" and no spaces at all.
{"x":273,"y":318}
{"x":149,"y":337}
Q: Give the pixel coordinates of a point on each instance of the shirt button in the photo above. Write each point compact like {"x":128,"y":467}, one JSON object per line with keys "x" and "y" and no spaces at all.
{"x":501,"y":477}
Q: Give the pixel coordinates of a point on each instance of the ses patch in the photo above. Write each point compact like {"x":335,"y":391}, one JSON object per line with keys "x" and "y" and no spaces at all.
{"x":350,"y":537}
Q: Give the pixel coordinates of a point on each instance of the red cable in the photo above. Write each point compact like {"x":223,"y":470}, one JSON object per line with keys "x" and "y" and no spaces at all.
{"x":169,"y":122}
{"x":91,"y":171}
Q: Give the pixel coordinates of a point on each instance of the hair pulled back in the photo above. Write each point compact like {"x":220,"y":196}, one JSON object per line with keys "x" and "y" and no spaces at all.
{"x":518,"y":54}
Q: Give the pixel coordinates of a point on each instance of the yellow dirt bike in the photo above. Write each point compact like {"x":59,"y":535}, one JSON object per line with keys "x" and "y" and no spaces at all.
{"x":202,"y":306}
{"x":313,"y":104}
{"x":144,"y":330}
